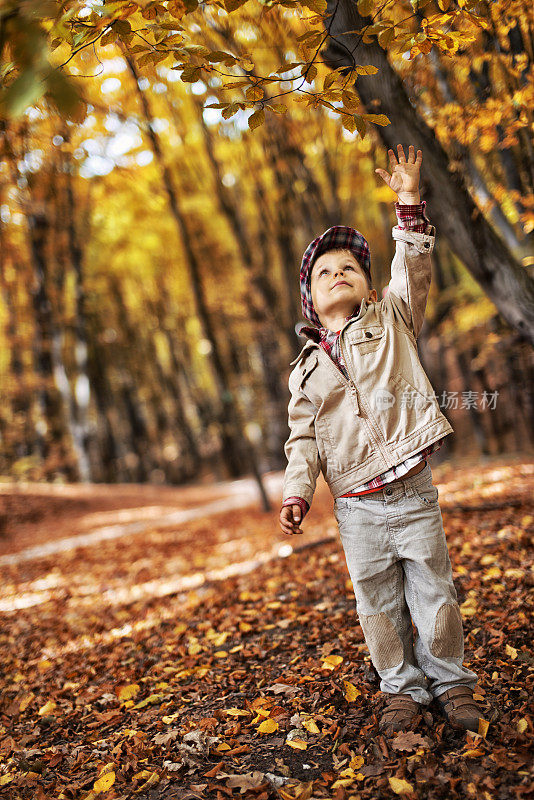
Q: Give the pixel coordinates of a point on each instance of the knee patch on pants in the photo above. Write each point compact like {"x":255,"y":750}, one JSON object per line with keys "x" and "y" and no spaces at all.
{"x":383,"y":641}
{"x":448,"y":632}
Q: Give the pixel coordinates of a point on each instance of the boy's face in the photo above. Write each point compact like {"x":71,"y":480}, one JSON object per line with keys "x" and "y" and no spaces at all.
{"x":338,"y":284}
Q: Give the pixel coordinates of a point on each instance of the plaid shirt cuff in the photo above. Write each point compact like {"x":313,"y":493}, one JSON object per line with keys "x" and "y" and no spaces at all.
{"x":412,"y":217}
{"x":297,"y":501}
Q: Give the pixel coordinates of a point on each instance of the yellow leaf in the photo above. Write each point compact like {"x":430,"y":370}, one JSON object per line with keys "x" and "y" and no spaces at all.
{"x":7,"y":778}
{"x":348,"y":123}
{"x":237,"y":712}
{"x":153,"y":778}
{"x":319,"y":6}
{"x":511,"y":651}
{"x":483,"y":726}
{"x":351,"y":692}
{"x":310,"y":725}
{"x":261,"y":712}
{"x":150,"y":701}
{"x":26,"y":700}
{"x":513,"y":572}
{"x":343,"y":782}
{"x":127,"y":692}
{"x":378,"y":119}
{"x":256,"y":119}
{"x":278,"y":108}
{"x":104,"y":783}
{"x":492,"y":572}
{"x":522,"y":725}
{"x":268,"y":726}
{"x":219,"y":638}
{"x":145,"y":773}
{"x":47,"y":708}
{"x":223,"y":746}
{"x":366,"y":69}
{"x":400,"y":786}
{"x":356,"y":762}
{"x":297,"y":744}
{"x":331,"y":662}
{"x":221,"y":654}
{"x":44,"y":665}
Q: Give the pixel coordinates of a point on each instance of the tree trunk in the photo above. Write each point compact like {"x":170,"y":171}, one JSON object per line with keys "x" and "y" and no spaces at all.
{"x":235,"y":441}
{"x":453,"y":211}
{"x":81,"y":429}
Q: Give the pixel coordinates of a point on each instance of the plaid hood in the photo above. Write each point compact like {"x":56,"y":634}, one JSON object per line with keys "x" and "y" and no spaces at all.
{"x":338,"y":236}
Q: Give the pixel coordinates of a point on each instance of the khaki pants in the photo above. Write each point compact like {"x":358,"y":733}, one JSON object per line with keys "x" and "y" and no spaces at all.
{"x":398,"y":561}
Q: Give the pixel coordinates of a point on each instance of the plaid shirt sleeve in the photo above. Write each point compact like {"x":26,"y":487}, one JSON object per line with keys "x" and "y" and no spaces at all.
{"x":412,"y":217}
{"x":297,"y":501}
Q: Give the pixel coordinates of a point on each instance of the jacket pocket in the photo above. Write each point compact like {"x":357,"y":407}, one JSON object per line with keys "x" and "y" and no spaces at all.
{"x":401,"y":409}
{"x":366,"y":340}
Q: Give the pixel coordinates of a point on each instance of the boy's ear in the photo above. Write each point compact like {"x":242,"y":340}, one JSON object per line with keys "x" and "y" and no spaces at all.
{"x":373,"y":296}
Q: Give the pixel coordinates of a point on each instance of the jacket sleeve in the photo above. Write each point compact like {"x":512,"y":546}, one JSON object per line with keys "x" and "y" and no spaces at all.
{"x":411,"y":271}
{"x":301,"y":451}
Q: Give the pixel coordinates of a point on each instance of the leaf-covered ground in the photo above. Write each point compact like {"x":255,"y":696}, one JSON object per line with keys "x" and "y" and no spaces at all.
{"x":221,"y":659}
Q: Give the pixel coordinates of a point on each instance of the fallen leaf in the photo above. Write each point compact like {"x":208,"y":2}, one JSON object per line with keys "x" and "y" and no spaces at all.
{"x":127,"y":692}
{"x":351,"y":692}
{"x":310,"y":725}
{"x":331,"y":662}
{"x":409,"y":741}
{"x":104,"y":783}
{"x":250,"y":780}
{"x":237,"y":712}
{"x":297,"y":744}
{"x":47,"y":708}
{"x":400,"y":786}
{"x":267,"y":726}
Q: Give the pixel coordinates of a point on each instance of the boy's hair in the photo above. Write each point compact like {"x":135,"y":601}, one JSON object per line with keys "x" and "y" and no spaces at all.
{"x":345,"y":250}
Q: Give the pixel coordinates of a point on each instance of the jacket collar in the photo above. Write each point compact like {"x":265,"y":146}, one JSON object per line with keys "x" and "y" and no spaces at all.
{"x":314,"y":337}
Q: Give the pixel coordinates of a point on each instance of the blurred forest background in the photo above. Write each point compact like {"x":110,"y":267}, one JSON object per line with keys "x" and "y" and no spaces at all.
{"x":154,"y":211}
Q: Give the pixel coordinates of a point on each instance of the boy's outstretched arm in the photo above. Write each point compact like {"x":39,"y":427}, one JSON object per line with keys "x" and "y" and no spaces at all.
{"x":411,"y":268}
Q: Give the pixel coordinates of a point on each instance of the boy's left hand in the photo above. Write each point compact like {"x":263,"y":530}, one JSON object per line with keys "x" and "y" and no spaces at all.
{"x":404,"y":178}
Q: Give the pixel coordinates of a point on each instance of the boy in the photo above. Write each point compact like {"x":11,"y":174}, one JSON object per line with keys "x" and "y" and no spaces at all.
{"x":363,"y":411}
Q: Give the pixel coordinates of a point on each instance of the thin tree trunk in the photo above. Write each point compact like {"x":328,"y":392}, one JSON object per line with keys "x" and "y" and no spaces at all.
{"x":235,"y":441}
{"x":45,"y":346}
{"x":82,"y":388}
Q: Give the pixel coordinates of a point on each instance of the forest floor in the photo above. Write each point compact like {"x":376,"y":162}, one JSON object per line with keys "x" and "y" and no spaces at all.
{"x":165,"y":642}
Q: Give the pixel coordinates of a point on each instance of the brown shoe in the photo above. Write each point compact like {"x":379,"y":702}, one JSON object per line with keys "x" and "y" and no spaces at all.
{"x":458,"y":707}
{"x":398,"y":712}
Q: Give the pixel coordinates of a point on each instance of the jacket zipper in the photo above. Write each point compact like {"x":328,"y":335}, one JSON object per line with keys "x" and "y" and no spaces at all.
{"x":375,"y":432}
{"x":350,"y":383}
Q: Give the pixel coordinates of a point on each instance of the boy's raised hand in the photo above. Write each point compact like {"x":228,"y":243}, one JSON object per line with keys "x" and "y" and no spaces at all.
{"x":404,"y":178}
{"x":290,"y":519}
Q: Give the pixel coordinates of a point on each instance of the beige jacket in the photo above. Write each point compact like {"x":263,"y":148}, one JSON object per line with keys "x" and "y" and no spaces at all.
{"x":353,"y":430}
